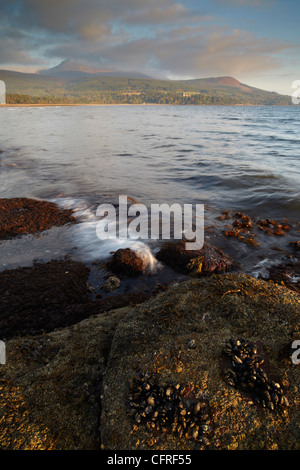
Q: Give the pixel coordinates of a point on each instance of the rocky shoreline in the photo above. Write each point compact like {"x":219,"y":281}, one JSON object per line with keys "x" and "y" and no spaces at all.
{"x":78,"y":367}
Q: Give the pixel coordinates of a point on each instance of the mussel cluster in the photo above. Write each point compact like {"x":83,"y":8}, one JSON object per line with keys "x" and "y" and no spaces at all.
{"x":169,"y":408}
{"x":246,"y":373}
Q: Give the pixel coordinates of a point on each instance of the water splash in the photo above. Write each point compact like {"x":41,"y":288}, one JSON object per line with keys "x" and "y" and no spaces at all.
{"x":89,"y":247}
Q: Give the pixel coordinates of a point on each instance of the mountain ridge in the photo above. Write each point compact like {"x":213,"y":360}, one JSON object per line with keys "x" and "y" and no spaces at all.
{"x":107,"y":88}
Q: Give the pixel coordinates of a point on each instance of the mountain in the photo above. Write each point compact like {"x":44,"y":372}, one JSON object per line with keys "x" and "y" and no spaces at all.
{"x":222,"y":82}
{"x":73,"y":69}
{"x":84,"y":86}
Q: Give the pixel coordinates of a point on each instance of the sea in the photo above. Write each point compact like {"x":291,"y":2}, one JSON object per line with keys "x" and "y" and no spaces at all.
{"x":228,"y":158}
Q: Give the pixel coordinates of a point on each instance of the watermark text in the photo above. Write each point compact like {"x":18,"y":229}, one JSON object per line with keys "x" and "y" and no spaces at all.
{"x":161,"y":221}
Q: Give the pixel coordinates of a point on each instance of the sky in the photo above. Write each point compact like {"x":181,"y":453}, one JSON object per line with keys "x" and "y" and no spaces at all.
{"x":254,"y":41}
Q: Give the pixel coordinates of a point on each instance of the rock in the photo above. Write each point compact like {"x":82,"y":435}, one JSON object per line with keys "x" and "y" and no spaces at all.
{"x":112,"y":283}
{"x":126,"y":262}
{"x":21,"y":216}
{"x":56,"y":388}
{"x":42,"y":297}
{"x":51,"y":385}
{"x":286,"y":274}
{"x":151,"y":340}
{"x":207,"y":260}
{"x":296,"y":245}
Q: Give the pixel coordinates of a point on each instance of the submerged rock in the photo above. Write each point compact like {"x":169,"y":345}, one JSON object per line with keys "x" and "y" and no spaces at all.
{"x":209,"y":259}
{"x":112,"y":283}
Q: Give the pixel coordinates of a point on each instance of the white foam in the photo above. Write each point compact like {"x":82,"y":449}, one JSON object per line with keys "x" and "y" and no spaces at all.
{"x":262,"y":268}
{"x":90,"y":247}
{"x":143,"y":251}
{"x":294,"y":279}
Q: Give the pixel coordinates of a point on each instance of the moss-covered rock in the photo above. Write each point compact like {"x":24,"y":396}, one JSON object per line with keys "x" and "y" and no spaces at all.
{"x":59,"y":388}
{"x":156,"y":338}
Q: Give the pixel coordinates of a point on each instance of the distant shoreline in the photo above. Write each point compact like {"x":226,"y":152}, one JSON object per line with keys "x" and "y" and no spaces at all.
{"x":40,"y":105}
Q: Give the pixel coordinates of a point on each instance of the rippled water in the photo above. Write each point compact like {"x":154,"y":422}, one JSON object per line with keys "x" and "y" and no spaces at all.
{"x":228,"y":157}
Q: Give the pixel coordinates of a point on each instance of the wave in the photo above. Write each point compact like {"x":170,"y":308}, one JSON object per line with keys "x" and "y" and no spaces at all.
{"x":89,"y":247}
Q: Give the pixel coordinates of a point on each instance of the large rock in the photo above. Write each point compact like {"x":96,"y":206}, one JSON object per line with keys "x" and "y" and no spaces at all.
{"x":58,"y":388}
{"x":209,"y":259}
{"x":179,"y":337}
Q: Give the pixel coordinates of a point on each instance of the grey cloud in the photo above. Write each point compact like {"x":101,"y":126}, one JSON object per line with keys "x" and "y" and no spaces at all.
{"x":175,"y":40}
{"x":77,"y":16}
{"x":10,"y":54}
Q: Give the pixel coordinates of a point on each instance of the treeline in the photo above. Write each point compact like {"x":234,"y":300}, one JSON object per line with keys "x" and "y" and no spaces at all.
{"x":15,"y":98}
{"x":158,"y":97}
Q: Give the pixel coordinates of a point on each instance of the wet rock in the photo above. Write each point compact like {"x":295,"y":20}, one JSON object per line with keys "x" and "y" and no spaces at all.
{"x":296,"y":245}
{"x":209,"y":259}
{"x":287,"y":275}
{"x":126,"y":262}
{"x":21,"y":216}
{"x":112,"y":283}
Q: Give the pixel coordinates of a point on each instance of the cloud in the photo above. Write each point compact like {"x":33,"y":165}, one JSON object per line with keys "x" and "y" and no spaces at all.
{"x":11,"y":53}
{"x":77,"y":16}
{"x":197,"y":52}
{"x":157,"y":36}
{"x":251,"y":3}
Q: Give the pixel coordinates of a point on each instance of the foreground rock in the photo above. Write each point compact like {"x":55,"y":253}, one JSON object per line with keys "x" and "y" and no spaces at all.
{"x":207,"y":260}
{"x":21,"y":216}
{"x":50,"y":388}
{"x":58,"y":388}
{"x":177,"y":339}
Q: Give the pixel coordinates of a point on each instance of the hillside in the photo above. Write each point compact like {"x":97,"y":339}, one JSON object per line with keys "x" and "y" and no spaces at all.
{"x":83,"y":87}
